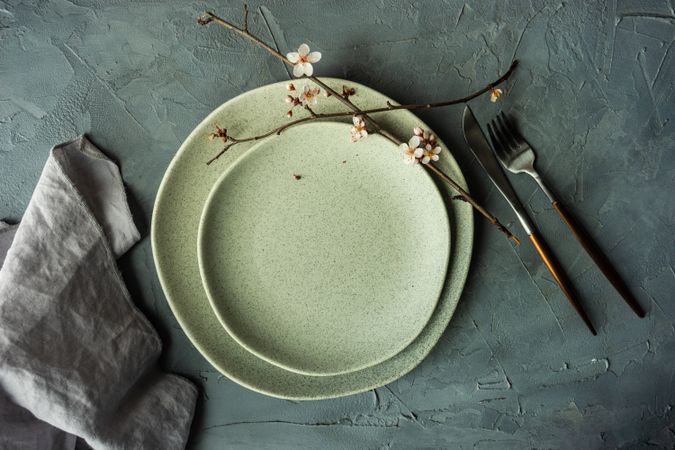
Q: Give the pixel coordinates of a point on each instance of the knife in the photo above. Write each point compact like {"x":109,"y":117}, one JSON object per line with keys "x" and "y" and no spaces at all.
{"x":483,"y":152}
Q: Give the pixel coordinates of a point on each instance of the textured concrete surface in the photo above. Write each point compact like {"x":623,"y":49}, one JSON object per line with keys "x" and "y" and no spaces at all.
{"x":516,"y":368}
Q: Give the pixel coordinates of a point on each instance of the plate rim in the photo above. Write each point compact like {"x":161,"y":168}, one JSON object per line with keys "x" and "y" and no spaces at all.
{"x":468,"y":218}
{"x":447,"y":230}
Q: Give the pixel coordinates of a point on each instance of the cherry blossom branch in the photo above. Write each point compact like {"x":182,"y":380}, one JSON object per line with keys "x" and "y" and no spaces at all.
{"x":365,"y":112}
{"x":209,"y":17}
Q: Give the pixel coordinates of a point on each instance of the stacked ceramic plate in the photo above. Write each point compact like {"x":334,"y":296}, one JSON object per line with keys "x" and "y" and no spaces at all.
{"x":305,"y":266}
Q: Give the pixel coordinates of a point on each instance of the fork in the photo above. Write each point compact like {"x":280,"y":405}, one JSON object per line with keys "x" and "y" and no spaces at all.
{"x":517,"y":156}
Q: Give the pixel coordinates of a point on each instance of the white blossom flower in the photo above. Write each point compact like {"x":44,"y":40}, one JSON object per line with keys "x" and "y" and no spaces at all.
{"x":302,"y":60}
{"x":495,"y":93}
{"x":412,"y":151}
{"x":358,"y":130}
{"x":430,"y":153}
{"x":309,"y":95}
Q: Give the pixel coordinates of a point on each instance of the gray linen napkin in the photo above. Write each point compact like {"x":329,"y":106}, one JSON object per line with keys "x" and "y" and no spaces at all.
{"x":75,"y":353}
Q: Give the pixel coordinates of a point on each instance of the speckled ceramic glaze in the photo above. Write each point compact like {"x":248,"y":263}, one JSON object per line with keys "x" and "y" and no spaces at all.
{"x":324,"y":256}
{"x":178,"y":208}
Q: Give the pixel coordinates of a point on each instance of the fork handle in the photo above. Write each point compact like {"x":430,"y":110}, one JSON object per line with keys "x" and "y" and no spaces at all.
{"x":560,"y":278}
{"x":600,"y":259}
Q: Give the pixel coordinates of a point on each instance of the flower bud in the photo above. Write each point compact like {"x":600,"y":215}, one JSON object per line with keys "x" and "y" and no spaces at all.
{"x":289,"y":99}
{"x":289,"y":114}
{"x":418,"y":131}
{"x":290,"y":87}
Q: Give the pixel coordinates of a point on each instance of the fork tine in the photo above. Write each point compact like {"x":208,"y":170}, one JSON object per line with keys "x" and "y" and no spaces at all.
{"x":507,"y":145}
{"x":506,"y":132}
{"x":512,"y":128}
{"x":496,"y":144}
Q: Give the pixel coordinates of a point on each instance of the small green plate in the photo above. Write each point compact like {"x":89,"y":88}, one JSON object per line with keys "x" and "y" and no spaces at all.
{"x":333,"y":270}
{"x":175,"y":223}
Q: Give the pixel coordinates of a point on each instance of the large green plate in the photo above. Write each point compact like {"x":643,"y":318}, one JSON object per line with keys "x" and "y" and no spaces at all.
{"x":324,"y":256}
{"x":178,"y":208}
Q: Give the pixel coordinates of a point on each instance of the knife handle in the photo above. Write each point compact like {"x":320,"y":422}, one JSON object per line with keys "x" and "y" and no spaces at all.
{"x":600,"y":259}
{"x":560,"y":278}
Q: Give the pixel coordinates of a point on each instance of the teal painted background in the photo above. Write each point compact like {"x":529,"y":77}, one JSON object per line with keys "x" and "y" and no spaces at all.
{"x":595,"y":97}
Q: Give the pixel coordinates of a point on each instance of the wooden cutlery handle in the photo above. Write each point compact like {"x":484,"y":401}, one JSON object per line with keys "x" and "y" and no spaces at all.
{"x":600,"y":259}
{"x":560,"y":278}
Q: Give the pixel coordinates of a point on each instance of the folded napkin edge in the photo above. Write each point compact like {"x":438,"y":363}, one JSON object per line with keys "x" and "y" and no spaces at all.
{"x":114,"y":217}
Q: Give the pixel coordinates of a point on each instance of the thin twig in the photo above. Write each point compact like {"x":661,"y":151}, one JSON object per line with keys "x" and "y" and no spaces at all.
{"x":464,"y":196}
{"x":311,"y":111}
{"x":209,"y":17}
{"x":232,"y":141}
{"x":392,"y":107}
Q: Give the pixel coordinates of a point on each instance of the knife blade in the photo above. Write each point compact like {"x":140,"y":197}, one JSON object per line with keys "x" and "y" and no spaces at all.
{"x":474,"y":137}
